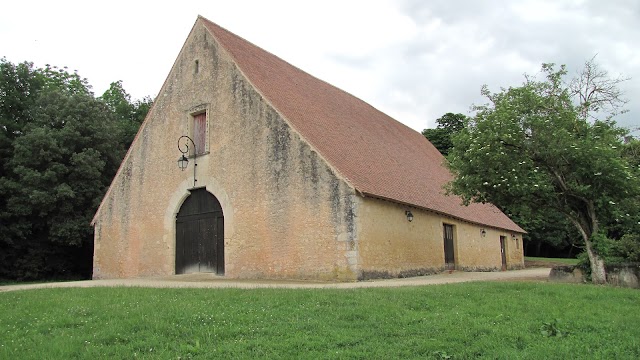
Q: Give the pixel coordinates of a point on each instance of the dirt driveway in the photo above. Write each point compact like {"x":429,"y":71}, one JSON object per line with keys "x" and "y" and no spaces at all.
{"x":212,"y":281}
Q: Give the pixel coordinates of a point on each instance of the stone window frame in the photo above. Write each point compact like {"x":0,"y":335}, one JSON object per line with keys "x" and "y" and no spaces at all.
{"x":190,"y":120}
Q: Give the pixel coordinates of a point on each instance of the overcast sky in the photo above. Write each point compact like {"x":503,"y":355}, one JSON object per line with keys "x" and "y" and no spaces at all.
{"x":413,"y":59}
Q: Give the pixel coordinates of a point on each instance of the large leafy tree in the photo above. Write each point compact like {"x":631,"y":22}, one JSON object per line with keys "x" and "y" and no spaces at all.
{"x":548,"y":231}
{"x":624,"y":227}
{"x":17,"y":85}
{"x":60,"y":147}
{"x":546,"y":227}
{"x":441,"y":137}
{"x":542,"y":145}
{"x":129,"y":114}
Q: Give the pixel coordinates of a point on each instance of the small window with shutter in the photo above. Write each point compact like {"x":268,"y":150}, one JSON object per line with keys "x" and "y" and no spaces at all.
{"x":197,"y":124}
{"x":200,"y":133}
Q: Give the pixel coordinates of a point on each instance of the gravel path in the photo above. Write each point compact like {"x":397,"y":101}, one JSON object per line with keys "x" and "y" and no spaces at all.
{"x":212,"y":281}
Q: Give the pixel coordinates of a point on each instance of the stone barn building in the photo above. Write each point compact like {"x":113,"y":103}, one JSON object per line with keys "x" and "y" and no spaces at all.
{"x":288,"y":177}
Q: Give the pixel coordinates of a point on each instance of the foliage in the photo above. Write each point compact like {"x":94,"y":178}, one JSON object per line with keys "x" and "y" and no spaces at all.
{"x":442,"y":355}
{"x":631,"y":151}
{"x":59,"y":148}
{"x":552,"y":328}
{"x":627,"y":249}
{"x":461,"y":321}
{"x":448,"y":125}
{"x":543,"y":226}
{"x":531,"y":144}
{"x":624,"y":229}
{"x":129,"y":114}
{"x":56,"y":78}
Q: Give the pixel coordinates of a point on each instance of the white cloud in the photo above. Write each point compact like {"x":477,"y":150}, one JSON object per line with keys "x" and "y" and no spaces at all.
{"x":413,"y":59}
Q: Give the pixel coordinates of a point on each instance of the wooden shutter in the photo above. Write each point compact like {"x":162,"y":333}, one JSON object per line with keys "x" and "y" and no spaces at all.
{"x":200,"y":133}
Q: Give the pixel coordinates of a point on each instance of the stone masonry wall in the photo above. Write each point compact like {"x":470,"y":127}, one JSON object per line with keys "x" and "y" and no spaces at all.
{"x":391,"y":246}
{"x":287,"y":214}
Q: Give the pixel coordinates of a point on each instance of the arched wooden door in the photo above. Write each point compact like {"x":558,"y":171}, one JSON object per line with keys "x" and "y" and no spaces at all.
{"x":200,"y":234}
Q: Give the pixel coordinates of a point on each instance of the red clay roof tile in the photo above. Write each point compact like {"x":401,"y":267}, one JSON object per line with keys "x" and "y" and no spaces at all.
{"x":378,"y":156}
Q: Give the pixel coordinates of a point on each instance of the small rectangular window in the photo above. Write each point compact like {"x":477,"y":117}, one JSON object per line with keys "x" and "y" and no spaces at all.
{"x":200,"y":133}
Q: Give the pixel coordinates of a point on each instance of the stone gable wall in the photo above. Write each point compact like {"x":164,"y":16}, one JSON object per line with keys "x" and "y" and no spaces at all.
{"x":287,"y":214}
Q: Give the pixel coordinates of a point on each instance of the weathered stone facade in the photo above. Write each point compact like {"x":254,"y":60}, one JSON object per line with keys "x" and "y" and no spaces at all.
{"x":391,"y":246}
{"x":287,"y":212}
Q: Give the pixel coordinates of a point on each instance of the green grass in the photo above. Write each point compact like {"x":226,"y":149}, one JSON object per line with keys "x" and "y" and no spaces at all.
{"x":457,"y":321}
{"x":560,"y":261}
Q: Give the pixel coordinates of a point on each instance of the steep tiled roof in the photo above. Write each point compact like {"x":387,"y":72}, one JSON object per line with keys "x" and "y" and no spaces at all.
{"x":376,"y":154}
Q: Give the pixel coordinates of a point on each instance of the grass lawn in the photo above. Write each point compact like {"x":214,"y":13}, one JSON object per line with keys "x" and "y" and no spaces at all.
{"x":558,"y":261}
{"x":492,"y":320}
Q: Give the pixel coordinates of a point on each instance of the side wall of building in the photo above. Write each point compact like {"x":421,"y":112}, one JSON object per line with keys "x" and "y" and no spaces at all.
{"x":286,"y":213}
{"x":391,"y":246}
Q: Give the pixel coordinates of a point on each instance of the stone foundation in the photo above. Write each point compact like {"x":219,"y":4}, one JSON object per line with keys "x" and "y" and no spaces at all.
{"x":617,"y":275}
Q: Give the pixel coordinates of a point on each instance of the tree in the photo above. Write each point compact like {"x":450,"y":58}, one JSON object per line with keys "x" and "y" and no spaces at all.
{"x":597,"y":93}
{"x":60,"y":147}
{"x":18,"y":86}
{"x":631,"y":151}
{"x":543,"y":227}
{"x":625,"y":228}
{"x":533,"y":144}
{"x":549,"y":233}
{"x":128,"y":114}
{"x":448,"y":125}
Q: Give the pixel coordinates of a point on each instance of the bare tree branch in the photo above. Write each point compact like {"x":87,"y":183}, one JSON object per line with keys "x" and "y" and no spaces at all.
{"x":597,"y":93}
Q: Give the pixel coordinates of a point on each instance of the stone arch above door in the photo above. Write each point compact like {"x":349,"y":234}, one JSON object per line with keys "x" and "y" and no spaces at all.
{"x":181,"y":192}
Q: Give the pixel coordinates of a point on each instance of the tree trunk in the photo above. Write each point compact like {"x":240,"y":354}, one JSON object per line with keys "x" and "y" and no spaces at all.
{"x":598,"y":272}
